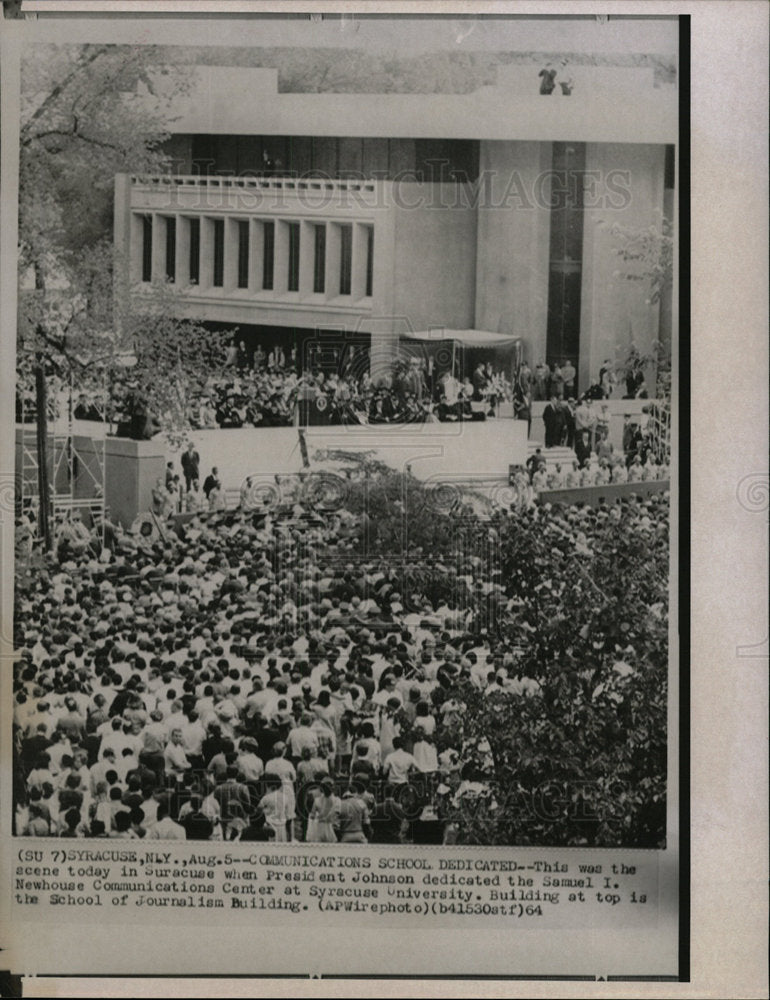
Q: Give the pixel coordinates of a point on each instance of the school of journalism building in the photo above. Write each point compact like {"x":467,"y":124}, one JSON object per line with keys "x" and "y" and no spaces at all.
{"x":306,"y":218}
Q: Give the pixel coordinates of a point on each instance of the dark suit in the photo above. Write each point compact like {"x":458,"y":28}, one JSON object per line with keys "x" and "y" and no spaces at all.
{"x":190,"y":466}
{"x":553,"y":418}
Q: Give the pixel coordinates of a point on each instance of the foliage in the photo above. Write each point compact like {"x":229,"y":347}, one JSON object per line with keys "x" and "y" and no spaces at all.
{"x":584,"y":763}
{"x":173,"y":357}
{"x":648,"y":255}
{"x":583,"y":612}
{"x":656,"y":363}
{"x":407,"y":519}
{"x":82,"y":121}
{"x":68,"y":319}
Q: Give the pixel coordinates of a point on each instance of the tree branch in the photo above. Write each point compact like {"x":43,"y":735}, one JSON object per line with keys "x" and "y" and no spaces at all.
{"x":73,"y":134}
{"x":60,"y":87}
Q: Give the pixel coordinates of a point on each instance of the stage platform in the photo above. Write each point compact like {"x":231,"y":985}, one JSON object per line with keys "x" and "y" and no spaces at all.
{"x":469,"y":452}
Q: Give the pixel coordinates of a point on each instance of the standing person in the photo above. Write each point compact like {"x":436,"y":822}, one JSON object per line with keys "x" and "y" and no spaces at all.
{"x":353,"y":822}
{"x":607,"y":379}
{"x":568,"y":374}
{"x":211,"y":482}
{"x":534,"y":462}
{"x":281,"y":768}
{"x":569,"y":418}
{"x":190,"y":461}
{"x":324,"y":815}
{"x":274,"y":806}
{"x":165,"y":828}
{"x":194,"y":501}
{"x":603,"y":422}
{"x":525,"y":380}
{"x":398,"y":764}
{"x":542,"y":377}
{"x":174,"y":490}
{"x":548,"y":81}
{"x":585,"y":419}
{"x":479,"y":382}
{"x":557,"y":382}
{"x":629,"y":434}
{"x":232,"y":355}
{"x":242,"y":356}
{"x":175,"y":757}
{"x":553,"y":418}
{"x":522,"y":396}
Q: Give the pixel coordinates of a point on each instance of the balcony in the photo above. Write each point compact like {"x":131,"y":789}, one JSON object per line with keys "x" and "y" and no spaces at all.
{"x":264,"y":250}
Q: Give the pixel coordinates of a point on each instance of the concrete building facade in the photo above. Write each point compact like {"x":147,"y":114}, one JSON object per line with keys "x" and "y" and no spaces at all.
{"x":299,"y":217}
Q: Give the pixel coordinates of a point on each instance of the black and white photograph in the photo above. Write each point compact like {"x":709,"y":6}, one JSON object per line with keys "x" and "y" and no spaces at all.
{"x":348,"y":367}
{"x":343,"y":440}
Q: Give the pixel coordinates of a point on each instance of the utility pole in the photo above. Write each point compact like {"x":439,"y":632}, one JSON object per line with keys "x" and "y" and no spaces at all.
{"x":41,"y":406}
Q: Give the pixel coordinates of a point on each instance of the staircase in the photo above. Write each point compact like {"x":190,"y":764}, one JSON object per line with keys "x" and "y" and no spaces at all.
{"x":553,"y":456}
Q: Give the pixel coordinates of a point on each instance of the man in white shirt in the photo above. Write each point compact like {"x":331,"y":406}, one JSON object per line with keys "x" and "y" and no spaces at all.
{"x":302,"y":736}
{"x":174,"y":756}
{"x":165,"y":828}
{"x":399,"y":764}
{"x":249,"y":764}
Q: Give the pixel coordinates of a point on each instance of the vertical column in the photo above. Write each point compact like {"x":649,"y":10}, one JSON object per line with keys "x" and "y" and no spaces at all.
{"x":172,"y":242}
{"x":124,"y":240}
{"x":281,"y":257}
{"x":333,"y":254}
{"x":627,"y":188}
{"x":383,"y":327}
{"x":513,"y":236}
{"x":256,"y":254}
{"x":136,"y":252}
{"x":158,"y":247}
{"x":206,"y":279}
{"x":231,"y":254}
{"x":358,"y":276}
{"x":306,"y":258}
{"x":182,"y":272}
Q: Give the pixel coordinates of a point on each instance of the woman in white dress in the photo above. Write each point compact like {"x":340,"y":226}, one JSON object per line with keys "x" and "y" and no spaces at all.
{"x":324,"y":815}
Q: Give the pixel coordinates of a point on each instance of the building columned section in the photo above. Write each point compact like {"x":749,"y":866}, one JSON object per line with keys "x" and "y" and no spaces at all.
{"x":376,"y":236}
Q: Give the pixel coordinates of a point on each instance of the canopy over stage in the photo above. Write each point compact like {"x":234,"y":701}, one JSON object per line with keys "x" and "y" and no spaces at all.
{"x":462,"y":350}
{"x":465,"y":338}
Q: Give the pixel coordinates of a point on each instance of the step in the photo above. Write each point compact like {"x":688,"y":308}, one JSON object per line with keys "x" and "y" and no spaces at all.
{"x":560,"y":455}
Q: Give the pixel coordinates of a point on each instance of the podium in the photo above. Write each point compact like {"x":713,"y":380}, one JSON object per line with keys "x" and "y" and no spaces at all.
{"x":314,"y":411}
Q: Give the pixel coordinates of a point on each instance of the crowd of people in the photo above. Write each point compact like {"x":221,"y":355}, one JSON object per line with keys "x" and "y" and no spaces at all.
{"x":248,"y":675}
{"x":258,"y":390}
{"x":585,"y":428}
{"x":543,"y":382}
{"x":271,"y":389}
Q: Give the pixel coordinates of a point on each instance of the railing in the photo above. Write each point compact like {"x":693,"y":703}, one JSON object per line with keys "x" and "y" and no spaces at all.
{"x":610,"y":493}
{"x":245,"y":183}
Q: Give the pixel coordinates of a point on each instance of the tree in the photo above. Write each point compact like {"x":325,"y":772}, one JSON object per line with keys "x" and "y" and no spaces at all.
{"x":81,"y":123}
{"x":584,"y":615}
{"x":647,"y":256}
{"x":174,"y":357}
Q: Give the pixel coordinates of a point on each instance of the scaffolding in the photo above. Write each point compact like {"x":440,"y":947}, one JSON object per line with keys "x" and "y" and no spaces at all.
{"x":76,"y":470}
{"x":659,"y":431}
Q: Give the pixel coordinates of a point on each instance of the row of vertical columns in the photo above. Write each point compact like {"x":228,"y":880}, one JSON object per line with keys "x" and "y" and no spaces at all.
{"x":255,"y":270}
